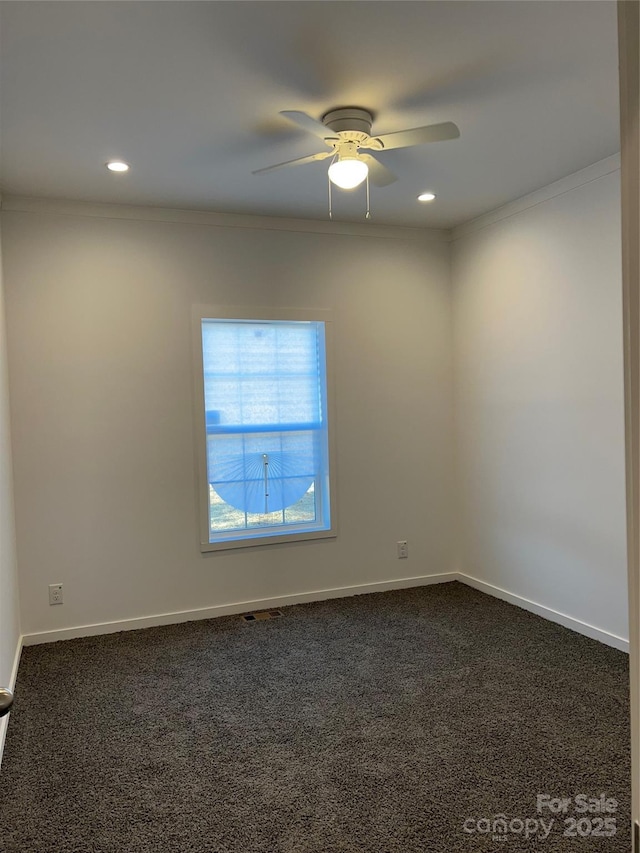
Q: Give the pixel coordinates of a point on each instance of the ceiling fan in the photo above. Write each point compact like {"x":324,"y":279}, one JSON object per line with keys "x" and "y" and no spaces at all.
{"x":346,"y":131}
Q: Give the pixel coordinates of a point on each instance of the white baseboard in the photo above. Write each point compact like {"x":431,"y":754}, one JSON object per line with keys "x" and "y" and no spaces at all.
{"x":323,"y":595}
{"x":547,"y":613}
{"x":4,"y":722}
{"x":232,"y":609}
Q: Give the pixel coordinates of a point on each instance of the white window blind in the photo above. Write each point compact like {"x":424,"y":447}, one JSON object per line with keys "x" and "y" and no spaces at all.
{"x":265,"y":408}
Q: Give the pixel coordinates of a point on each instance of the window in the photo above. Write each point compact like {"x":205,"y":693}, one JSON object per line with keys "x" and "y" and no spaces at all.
{"x":263,"y":414}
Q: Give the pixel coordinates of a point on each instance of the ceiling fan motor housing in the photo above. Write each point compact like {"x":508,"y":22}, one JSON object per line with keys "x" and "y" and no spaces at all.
{"x":349,"y":119}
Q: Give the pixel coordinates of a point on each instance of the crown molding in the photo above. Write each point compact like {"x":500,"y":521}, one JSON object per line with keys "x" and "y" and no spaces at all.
{"x":564,"y":185}
{"x":219,"y":220}
{"x":67,"y":207}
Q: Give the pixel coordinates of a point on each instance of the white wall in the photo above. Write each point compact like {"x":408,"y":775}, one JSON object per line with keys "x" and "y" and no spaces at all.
{"x":100,"y":358}
{"x":9,"y":609}
{"x":539,"y":401}
{"x":99,"y":346}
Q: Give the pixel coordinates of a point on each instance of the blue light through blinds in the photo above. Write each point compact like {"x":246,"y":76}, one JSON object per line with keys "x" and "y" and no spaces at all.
{"x":265,"y":406}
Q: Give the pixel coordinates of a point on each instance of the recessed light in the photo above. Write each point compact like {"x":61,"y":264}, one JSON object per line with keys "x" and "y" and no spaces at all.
{"x":118,"y":166}
{"x":426,"y":196}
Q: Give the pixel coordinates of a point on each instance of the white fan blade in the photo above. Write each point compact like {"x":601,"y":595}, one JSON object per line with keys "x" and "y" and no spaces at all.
{"x":309,"y":124}
{"x":378,"y":174}
{"x":419,"y":135}
{"x":297,"y":162}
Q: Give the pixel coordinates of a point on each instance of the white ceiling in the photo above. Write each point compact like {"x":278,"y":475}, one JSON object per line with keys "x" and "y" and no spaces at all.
{"x":189,"y":94}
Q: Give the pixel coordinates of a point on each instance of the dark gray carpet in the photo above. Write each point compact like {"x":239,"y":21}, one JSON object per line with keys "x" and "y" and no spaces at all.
{"x":378,"y":723}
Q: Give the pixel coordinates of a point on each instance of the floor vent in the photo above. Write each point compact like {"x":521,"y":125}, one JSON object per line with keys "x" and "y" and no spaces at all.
{"x":261,"y":615}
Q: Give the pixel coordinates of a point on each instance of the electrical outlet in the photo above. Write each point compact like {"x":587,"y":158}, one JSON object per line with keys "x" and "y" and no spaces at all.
{"x":55,"y":593}
{"x":403,"y":549}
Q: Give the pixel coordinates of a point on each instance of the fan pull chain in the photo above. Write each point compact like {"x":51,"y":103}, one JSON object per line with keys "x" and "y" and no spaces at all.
{"x":333,"y":160}
{"x":265,"y":463}
{"x":368,"y":213}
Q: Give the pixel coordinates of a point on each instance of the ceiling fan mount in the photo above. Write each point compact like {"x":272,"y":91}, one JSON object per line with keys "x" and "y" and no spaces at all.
{"x":348,"y":119}
{"x":351,"y":125}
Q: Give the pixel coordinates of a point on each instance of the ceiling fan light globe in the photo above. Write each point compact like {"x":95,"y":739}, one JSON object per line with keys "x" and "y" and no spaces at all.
{"x":348,"y":173}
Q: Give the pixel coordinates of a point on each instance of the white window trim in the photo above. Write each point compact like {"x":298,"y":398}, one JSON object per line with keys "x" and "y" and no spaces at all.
{"x":236,"y":312}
